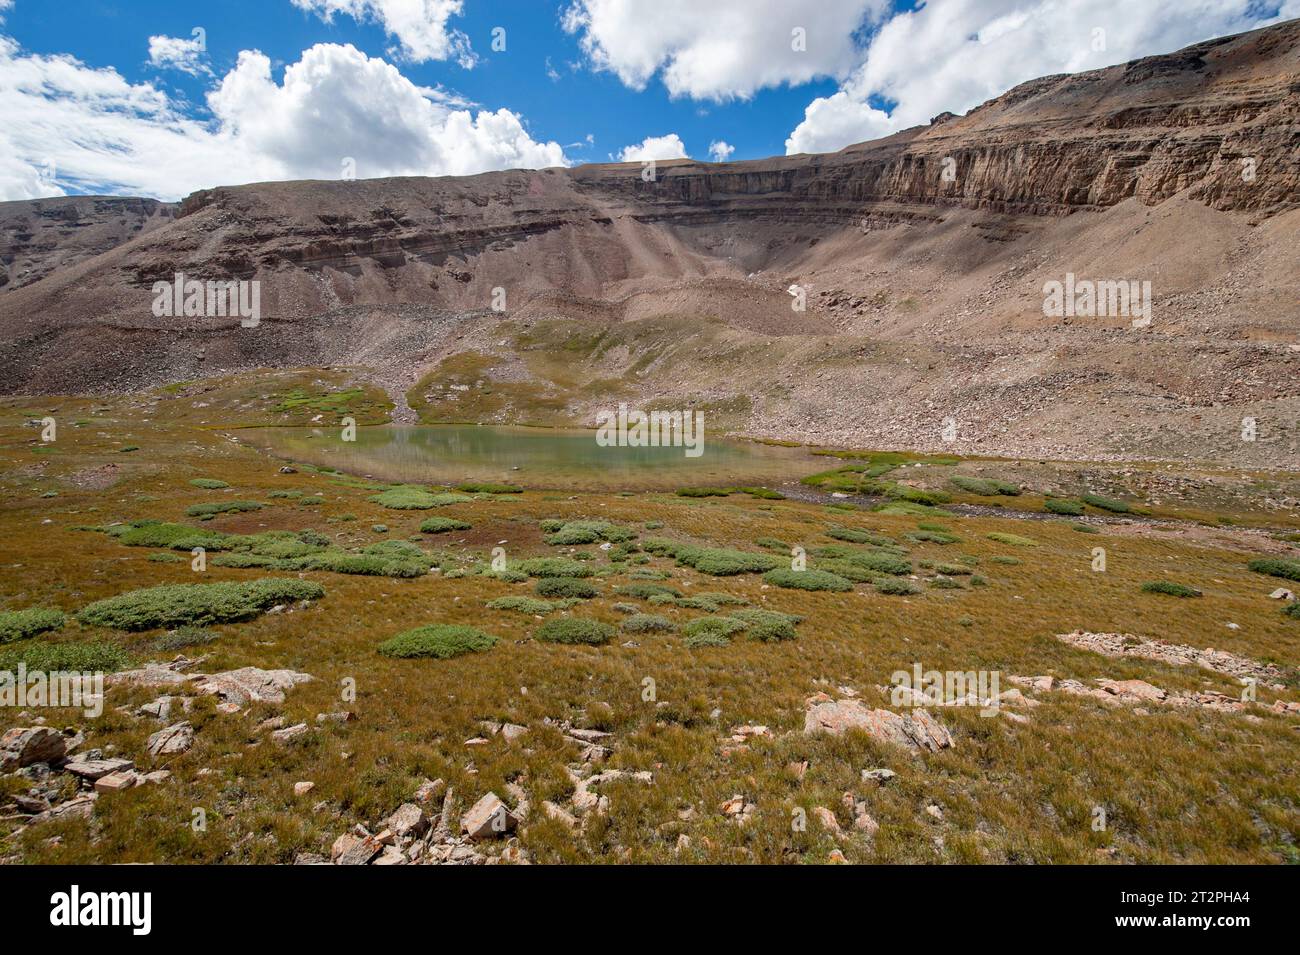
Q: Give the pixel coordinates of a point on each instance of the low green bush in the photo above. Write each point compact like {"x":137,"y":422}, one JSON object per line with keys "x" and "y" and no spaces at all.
{"x":932,"y":537}
{"x":704,"y":491}
{"x":173,"y":605}
{"x":1292,"y":610}
{"x":98,"y":656}
{"x":718,"y":626}
{"x":1276,"y":567}
{"x":772,"y":631}
{"x":439,"y":641}
{"x":646,"y":591}
{"x":647,"y":623}
{"x":757,"y":615}
{"x":183,"y":637}
{"x":723,"y":562}
{"x":895,"y":587}
{"x":1170,"y":588}
{"x":707,"y":638}
{"x":565,"y":587}
{"x":807,"y":579}
{"x":771,"y":543}
{"x":1006,"y":559}
{"x":1015,"y":540}
{"x":412,"y":497}
{"x":165,"y":557}
{"x":24,"y":624}
{"x":1066,"y":506}
{"x":855,"y":536}
{"x":554,"y":567}
{"x":521,"y":604}
{"x":487,"y":487}
{"x":1106,"y":503}
{"x":209,"y":484}
{"x":985,"y":487}
{"x":225,"y":507}
{"x":575,"y":630}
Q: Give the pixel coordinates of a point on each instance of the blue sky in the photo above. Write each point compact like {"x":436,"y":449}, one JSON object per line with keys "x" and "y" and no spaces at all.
{"x":292,"y":88}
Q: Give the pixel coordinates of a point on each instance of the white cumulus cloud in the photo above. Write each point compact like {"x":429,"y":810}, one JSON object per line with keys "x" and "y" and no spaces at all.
{"x":721,"y":150}
{"x":655,"y":147}
{"x":178,"y":53}
{"x":68,"y":126}
{"x":722,"y":49}
{"x":420,"y":26}
{"x":955,"y":54}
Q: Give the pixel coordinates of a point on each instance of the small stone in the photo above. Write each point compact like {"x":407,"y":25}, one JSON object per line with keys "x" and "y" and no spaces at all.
{"x":429,"y":790}
{"x":827,"y":819}
{"x":878,"y":776}
{"x":290,"y":733}
{"x":303,"y":788}
{"x":407,"y":821}
{"x":488,"y":818}
{"x":175,"y":739}
{"x":116,"y":782}
{"x":93,"y":769}
{"x":23,"y":746}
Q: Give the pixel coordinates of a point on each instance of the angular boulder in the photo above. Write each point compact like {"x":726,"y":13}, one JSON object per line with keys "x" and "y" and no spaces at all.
{"x":23,"y":746}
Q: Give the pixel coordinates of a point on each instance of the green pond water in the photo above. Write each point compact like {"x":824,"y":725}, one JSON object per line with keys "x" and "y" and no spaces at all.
{"x":532,"y":457}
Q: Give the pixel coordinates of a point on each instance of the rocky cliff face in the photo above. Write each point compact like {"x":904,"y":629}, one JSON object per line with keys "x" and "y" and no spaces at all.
{"x":40,"y":236}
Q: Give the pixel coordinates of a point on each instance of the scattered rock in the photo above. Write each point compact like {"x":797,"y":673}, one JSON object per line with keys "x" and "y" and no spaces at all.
{"x":175,"y":739}
{"x":488,"y":819}
{"x":251,"y":685}
{"x":289,"y":733}
{"x":23,"y":746}
{"x":93,"y":769}
{"x":303,"y":788}
{"x":116,"y":782}
{"x":916,"y":730}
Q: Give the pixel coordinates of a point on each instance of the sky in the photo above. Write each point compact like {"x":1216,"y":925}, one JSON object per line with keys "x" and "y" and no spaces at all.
{"x":160,"y":97}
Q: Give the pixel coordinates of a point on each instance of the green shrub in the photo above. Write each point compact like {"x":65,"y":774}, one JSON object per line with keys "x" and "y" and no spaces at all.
{"x":772,"y":631}
{"x":565,"y":587}
{"x":722,"y":562}
{"x":1006,"y":559}
{"x":24,"y":624}
{"x":172,"y":536}
{"x":575,"y":630}
{"x":915,"y":495}
{"x":705,"y":491}
{"x":855,"y":536}
{"x":895,"y":587}
{"x":1061,"y":505}
{"x":486,"y":487}
{"x":209,"y":484}
{"x":521,"y":604}
{"x":99,"y":656}
{"x":285,"y":495}
{"x":365,"y":565}
{"x":771,"y":543}
{"x":952,"y":570}
{"x":248,"y":562}
{"x":985,"y":487}
{"x":715,"y":626}
{"x":763,"y":493}
{"x":1292,"y":610}
{"x":1106,"y":503}
{"x":165,"y":557}
{"x":172,"y":605}
{"x":909,"y":509}
{"x":721,"y":599}
{"x":946,"y":583}
{"x":1170,"y":588}
{"x":807,"y":579}
{"x":1276,"y":567}
{"x":412,"y":497}
{"x":978,"y":581}
{"x":183,"y":637}
{"x":1014,"y":540}
{"x":757,"y":615}
{"x":646,"y":591}
{"x":660,"y":546}
{"x":225,"y":507}
{"x":647,"y":623}
{"x":439,"y":641}
{"x":554,"y":567}
{"x":932,"y":537}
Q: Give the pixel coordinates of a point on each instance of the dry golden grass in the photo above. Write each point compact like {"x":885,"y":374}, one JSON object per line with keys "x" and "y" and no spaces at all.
{"x":1178,"y":785}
